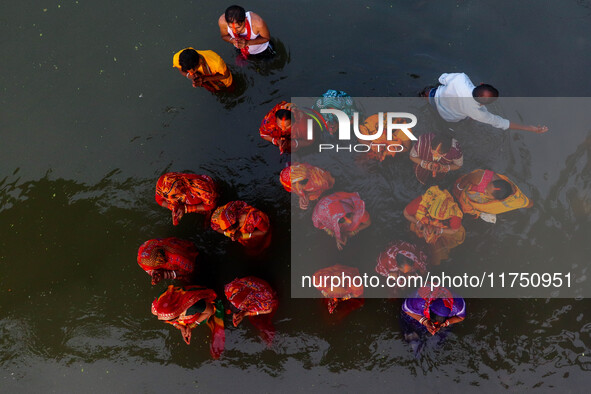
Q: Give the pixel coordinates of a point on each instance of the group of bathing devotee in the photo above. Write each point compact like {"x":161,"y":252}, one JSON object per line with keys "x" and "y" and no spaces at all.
{"x":435,"y":217}
{"x":188,"y":306}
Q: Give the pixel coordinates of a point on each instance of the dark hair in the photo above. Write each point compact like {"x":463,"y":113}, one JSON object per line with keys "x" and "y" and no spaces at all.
{"x":189,"y":59}
{"x":235,"y":13}
{"x":283,"y":114}
{"x":445,"y":142}
{"x":434,"y":317}
{"x":402,"y":260}
{"x":504,"y":189}
{"x":485,"y":94}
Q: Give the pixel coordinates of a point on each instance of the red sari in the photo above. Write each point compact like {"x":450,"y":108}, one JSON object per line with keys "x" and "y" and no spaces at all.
{"x":251,"y":294}
{"x":172,"y":254}
{"x":173,"y":307}
{"x":331,"y":209}
{"x":227,"y":220}
{"x":306,"y":181}
{"x":298,"y":129}
{"x":335,"y":296}
{"x":187,"y":192}
{"x":387,"y":264}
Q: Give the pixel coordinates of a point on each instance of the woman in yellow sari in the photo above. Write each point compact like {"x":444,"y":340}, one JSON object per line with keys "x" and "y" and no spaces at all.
{"x":436,"y":218}
{"x":485,"y":194}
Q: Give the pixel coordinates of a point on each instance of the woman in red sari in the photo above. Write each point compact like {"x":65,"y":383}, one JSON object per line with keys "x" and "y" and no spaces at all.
{"x":286,"y":126}
{"x":306,"y":181}
{"x":243,"y":223}
{"x":188,"y":307}
{"x":169,"y":258}
{"x":184,"y":193}
{"x":347,"y":296}
{"x":402,"y":259}
{"x":342,"y":215}
{"x":253,"y":297}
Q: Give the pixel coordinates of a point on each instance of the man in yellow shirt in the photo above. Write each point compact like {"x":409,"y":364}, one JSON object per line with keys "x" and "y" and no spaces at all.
{"x":205,"y":68}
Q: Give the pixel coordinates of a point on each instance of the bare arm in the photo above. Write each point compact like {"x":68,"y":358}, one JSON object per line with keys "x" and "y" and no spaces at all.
{"x":534,"y":129}
{"x":259,"y":27}
{"x":224,"y":29}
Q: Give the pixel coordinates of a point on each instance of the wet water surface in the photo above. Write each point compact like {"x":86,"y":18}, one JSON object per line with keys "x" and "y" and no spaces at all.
{"x":93,"y":113}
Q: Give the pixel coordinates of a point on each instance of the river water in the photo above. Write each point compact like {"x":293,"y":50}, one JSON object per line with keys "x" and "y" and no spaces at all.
{"x":93,"y":113}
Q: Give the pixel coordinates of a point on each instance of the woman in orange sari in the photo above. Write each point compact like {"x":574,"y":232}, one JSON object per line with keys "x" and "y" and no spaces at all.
{"x":169,"y":258}
{"x":485,"y":194}
{"x":188,"y":307}
{"x":243,"y":223}
{"x":286,"y":126}
{"x":306,"y":181}
{"x":253,"y":297}
{"x":437,"y":219}
{"x":342,"y":215}
{"x":346,"y":296}
{"x":184,"y":193}
{"x":379,"y":147}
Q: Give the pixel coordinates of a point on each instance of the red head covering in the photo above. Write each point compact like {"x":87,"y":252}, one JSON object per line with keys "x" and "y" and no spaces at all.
{"x":175,"y":300}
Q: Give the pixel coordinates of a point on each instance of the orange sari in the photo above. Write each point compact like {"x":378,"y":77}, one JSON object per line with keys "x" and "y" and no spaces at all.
{"x":226,"y":219}
{"x":370,"y":127}
{"x":186,"y":191}
{"x":306,"y":181}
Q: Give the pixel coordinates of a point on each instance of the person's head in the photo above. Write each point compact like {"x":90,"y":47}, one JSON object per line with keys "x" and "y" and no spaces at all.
{"x":438,"y":312}
{"x":189,"y":60}
{"x":500,"y":189}
{"x":235,"y":18}
{"x":404,"y":263}
{"x":485,"y":94}
{"x":346,"y":219}
{"x":440,"y":145}
{"x":283,"y":119}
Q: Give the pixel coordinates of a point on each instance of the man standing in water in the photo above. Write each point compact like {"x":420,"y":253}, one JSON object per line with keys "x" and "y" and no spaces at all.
{"x":247,"y":31}
{"x":456,"y":99}
{"x":204,"y":68}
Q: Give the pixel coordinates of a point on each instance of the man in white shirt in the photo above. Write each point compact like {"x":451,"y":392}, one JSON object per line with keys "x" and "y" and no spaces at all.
{"x":457,"y":99}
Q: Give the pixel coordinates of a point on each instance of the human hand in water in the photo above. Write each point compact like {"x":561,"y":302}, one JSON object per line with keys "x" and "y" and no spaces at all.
{"x":186,"y":333}
{"x":538,"y":129}
{"x":177,"y":213}
{"x":284,"y":145}
{"x":239,"y":43}
{"x":341,"y":242}
{"x":197,"y":81}
{"x":431,"y":327}
{"x":237,"y":318}
{"x":156,"y":276}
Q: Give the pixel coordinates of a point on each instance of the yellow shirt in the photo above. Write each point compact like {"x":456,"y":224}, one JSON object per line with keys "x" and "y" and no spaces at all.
{"x":214,"y":63}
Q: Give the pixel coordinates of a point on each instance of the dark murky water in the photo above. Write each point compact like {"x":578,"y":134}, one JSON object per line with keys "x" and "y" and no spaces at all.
{"x":92,"y":113}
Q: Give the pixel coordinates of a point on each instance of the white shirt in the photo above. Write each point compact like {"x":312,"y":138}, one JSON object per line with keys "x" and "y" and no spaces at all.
{"x":455,"y":102}
{"x":252,"y":49}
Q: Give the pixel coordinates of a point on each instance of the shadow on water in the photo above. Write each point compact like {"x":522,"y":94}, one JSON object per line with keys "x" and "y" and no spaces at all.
{"x":73,"y":293}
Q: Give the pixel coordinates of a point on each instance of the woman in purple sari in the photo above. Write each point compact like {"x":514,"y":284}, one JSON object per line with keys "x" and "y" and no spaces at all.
{"x":430,"y":311}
